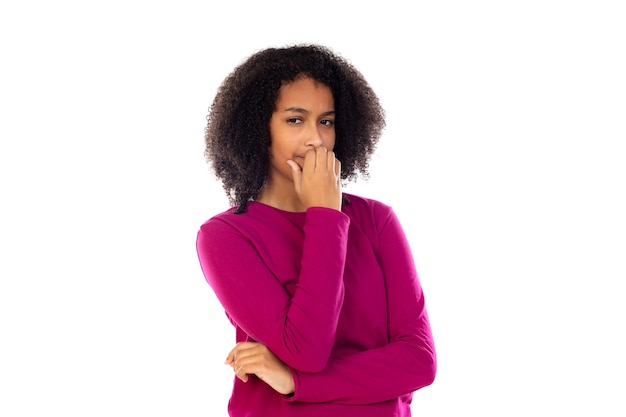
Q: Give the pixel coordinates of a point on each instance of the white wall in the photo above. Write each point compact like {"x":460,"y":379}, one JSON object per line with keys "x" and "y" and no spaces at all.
{"x":504,"y":146}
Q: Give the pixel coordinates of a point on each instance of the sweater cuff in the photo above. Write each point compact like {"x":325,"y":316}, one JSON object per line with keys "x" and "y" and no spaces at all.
{"x":296,"y":390}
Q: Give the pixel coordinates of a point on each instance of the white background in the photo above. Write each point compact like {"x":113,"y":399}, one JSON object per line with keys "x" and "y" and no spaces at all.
{"x":503,"y":157}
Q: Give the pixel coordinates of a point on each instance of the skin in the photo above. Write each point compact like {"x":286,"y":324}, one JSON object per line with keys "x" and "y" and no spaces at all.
{"x":303,"y":169}
{"x":303,"y":173}
{"x":249,"y":358}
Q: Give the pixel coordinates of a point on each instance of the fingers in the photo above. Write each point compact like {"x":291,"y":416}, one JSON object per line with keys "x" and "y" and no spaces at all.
{"x":319,"y":158}
{"x":231,"y":355}
{"x":244,"y":359}
{"x":296,"y":173}
{"x":317,"y":183}
{"x":334,"y":165}
{"x":251,"y":358}
{"x":236,"y":353}
{"x":310,"y":159}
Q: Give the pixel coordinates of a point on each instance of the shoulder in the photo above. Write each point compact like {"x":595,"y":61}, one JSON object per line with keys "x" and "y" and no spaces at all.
{"x":224,"y":217}
{"x":257,"y":221}
{"x":367,"y":213}
{"x":228,"y":220}
{"x":363,"y":206}
{"x":215,"y":225}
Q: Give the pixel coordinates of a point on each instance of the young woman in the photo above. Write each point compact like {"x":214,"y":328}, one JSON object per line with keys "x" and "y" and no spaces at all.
{"x":320,"y":285}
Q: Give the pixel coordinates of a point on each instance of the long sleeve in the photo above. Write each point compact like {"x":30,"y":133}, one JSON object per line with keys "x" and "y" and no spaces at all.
{"x":406,"y":363}
{"x":294,"y":312}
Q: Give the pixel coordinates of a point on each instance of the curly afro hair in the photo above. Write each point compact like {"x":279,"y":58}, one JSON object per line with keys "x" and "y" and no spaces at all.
{"x":237,"y":134}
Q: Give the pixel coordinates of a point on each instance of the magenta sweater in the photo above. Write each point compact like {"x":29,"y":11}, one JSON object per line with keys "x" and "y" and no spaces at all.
{"x":335,"y":295}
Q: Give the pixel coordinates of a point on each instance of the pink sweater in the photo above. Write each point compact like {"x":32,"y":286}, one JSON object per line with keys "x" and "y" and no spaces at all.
{"x":335,"y":295}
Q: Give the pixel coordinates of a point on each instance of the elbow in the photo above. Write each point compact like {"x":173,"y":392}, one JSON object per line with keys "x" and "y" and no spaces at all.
{"x":430,"y":372}
{"x":427,"y":368}
{"x":423,"y":366}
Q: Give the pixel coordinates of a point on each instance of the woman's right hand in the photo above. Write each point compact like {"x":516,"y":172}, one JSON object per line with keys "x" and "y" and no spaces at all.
{"x":318,"y":182}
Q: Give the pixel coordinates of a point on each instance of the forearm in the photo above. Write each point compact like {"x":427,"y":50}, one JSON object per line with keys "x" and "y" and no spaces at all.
{"x":371,"y":376}
{"x":408,"y":361}
{"x":299,"y":324}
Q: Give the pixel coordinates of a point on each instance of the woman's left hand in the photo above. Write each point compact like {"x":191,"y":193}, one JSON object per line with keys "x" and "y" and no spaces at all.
{"x":255,"y":358}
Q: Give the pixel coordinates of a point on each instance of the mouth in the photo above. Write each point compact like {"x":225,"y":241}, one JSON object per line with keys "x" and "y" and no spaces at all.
{"x":299,"y":160}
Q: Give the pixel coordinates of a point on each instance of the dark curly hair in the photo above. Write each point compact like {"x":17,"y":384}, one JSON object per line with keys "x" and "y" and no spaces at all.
{"x":237,"y":134}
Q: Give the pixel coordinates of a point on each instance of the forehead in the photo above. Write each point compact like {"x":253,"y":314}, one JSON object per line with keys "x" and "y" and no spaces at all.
{"x":305,"y":90}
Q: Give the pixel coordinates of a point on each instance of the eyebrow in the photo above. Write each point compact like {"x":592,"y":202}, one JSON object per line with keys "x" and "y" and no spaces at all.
{"x":305,"y":111}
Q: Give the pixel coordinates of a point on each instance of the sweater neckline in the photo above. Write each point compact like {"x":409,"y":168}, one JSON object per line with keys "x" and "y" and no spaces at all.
{"x":276,"y":209}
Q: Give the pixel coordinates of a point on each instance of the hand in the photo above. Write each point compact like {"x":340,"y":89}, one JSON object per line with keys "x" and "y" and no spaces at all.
{"x":248,"y":358}
{"x":318,"y":182}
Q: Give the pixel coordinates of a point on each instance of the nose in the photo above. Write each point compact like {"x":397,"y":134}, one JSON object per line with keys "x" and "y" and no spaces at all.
{"x":314,"y":138}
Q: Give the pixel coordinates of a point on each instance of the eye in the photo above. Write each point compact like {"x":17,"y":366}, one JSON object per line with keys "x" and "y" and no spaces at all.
{"x":327,"y":122}
{"x":294,"y":120}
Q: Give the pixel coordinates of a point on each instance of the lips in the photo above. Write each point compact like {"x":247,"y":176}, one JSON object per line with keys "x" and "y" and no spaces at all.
{"x":299,"y":160}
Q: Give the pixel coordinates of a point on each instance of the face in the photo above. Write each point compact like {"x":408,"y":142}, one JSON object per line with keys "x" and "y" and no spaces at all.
{"x":303,"y":118}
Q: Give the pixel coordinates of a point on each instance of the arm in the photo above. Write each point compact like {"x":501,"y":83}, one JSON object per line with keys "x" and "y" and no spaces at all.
{"x":299,"y":329}
{"x":406,"y":363}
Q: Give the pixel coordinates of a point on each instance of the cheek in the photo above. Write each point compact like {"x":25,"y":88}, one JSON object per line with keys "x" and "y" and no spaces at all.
{"x":329,"y":141}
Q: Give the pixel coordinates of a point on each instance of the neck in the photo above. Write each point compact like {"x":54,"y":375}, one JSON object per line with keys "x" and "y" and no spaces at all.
{"x":283,"y":198}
